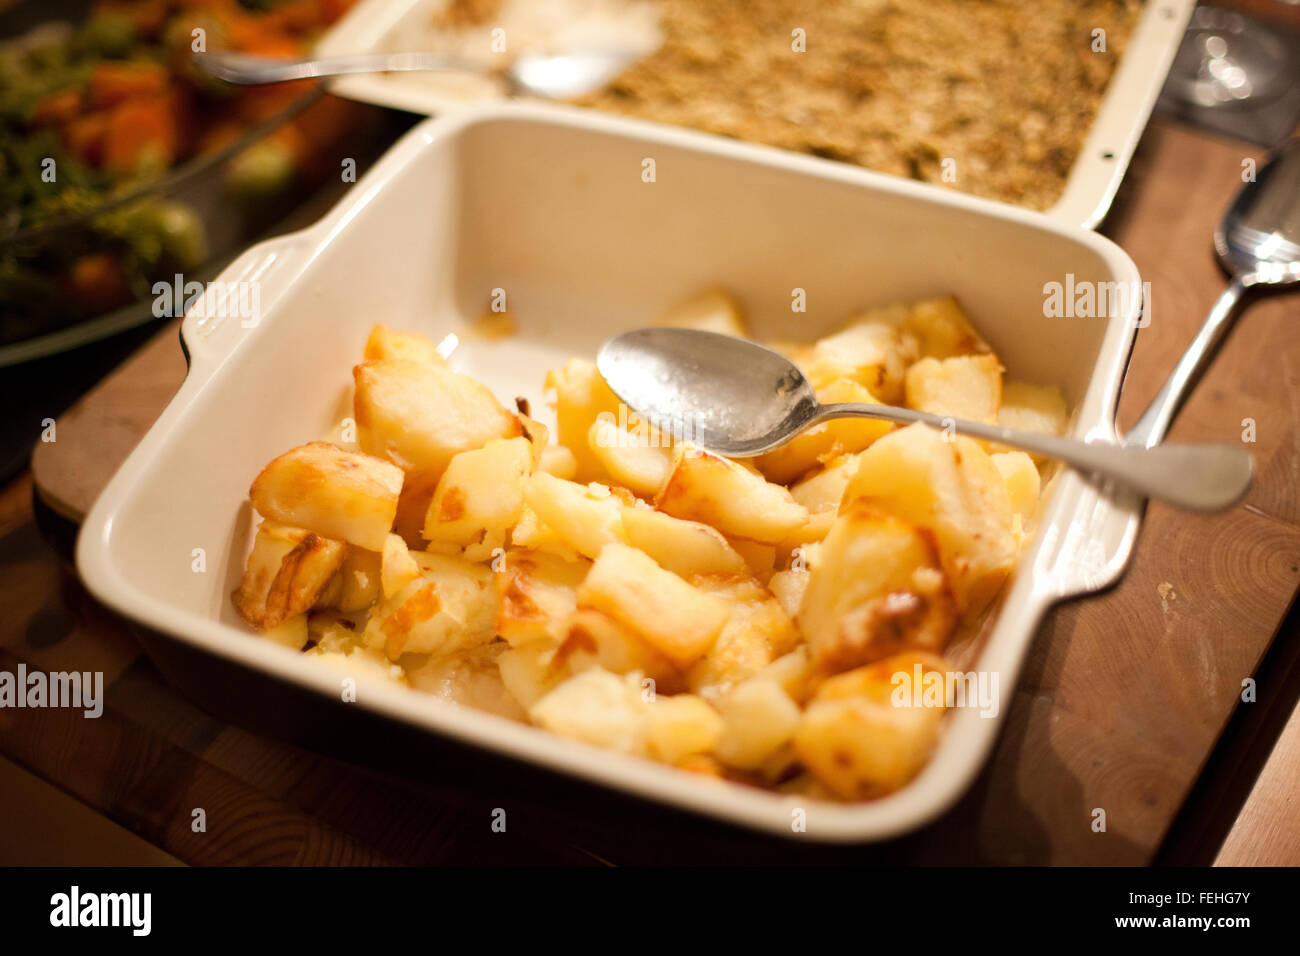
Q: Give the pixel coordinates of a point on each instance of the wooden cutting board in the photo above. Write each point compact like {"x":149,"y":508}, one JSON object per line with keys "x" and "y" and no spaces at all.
{"x":1124,"y":694}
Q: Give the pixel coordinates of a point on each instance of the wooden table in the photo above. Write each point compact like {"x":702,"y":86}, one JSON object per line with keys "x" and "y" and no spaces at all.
{"x":1120,"y":705}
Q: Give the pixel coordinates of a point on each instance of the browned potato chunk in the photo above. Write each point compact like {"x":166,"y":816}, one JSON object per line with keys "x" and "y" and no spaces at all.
{"x":673,"y":617}
{"x":681,"y":726}
{"x":338,"y":494}
{"x":1023,"y":483}
{"x":529,"y":671}
{"x":287,"y":571}
{"x":585,"y":518}
{"x":1033,"y":408}
{"x":824,"y":490}
{"x":861,"y":737}
{"x":757,"y":632}
{"x":788,"y":588}
{"x":874,"y":350}
{"x":709,"y":311}
{"x":683,"y":547}
{"x":538,"y":593}
{"x":942,"y":330}
{"x":419,"y":416}
{"x":707,"y":488}
{"x":597,"y":640}
{"x":826,"y":441}
{"x":451,"y":606}
{"x":480,"y":497}
{"x":640,"y":465}
{"x":386,"y":343}
{"x":967,"y":386}
{"x":951,"y":488}
{"x":291,"y":633}
{"x":397,"y":567}
{"x":580,"y":396}
{"x":597,"y":707}
{"x":758,"y":720}
{"x":875,"y":589}
{"x":558,"y":461}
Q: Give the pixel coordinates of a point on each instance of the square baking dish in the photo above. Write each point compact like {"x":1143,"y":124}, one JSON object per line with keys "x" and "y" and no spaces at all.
{"x":553,"y":208}
{"x":383,"y":26}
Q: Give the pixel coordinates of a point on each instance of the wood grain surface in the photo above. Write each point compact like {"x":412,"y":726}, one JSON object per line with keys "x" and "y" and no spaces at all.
{"x":1121,"y":701}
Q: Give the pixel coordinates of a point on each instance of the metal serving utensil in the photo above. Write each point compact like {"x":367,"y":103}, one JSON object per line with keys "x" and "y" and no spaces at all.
{"x":555,"y":76}
{"x":740,"y":399}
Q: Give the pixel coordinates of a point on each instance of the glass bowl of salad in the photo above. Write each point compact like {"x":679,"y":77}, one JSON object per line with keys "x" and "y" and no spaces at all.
{"x":124,"y":169}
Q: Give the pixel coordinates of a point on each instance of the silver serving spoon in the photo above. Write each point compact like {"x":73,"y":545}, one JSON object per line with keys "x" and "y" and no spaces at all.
{"x":1258,"y":242}
{"x":740,"y":399}
{"x":555,"y":76}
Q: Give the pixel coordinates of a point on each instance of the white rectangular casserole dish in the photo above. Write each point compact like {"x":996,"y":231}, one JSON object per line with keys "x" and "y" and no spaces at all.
{"x":381,"y":26}
{"x":552,"y":208}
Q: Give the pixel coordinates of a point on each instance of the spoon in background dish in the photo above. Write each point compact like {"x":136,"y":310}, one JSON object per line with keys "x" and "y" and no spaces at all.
{"x":740,"y":399}
{"x":552,"y":76}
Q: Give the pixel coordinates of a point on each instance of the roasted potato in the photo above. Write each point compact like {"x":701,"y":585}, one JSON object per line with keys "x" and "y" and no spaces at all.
{"x":480,"y":497}
{"x":640,"y":464}
{"x":359,"y":578}
{"x":597,"y":707}
{"x":1033,"y":408}
{"x":288,"y":569}
{"x":756,"y":633}
{"x":709,"y":311}
{"x":419,"y":416}
{"x":385,"y":343}
{"x":708,"y":488}
{"x":680,"y":726}
{"x":537,"y":593}
{"x":965,"y":386}
{"x":528,"y":670}
{"x":584,"y":517}
{"x":675,"y":618}
{"x":397,"y":568}
{"x":338,"y":494}
{"x":683,"y":547}
{"x":451,"y":606}
{"x":581,"y":395}
{"x":874,"y":350}
{"x":864,"y":734}
{"x":1023,"y":483}
{"x":758,"y":719}
{"x":875,"y":589}
{"x":595,"y":639}
{"x":827,"y":441}
{"x":471,"y":678}
{"x":954,"y":490}
{"x":941,"y":330}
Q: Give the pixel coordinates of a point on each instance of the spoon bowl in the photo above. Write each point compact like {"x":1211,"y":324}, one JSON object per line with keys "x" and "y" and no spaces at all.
{"x":1260,"y":233}
{"x":1258,"y":242}
{"x":731,"y":396}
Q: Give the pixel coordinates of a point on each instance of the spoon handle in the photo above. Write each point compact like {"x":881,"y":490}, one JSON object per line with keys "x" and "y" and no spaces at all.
{"x":1150,"y":429}
{"x":246,"y":69}
{"x":1201,"y":477}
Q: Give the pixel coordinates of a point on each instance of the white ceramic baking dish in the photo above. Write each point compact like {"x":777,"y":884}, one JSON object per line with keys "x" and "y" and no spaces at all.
{"x":553,"y":209}
{"x":377,"y":26}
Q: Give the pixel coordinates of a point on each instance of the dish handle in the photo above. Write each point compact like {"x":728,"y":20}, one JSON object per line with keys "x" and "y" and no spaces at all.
{"x":1092,"y":550}
{"x":223,"y":311}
